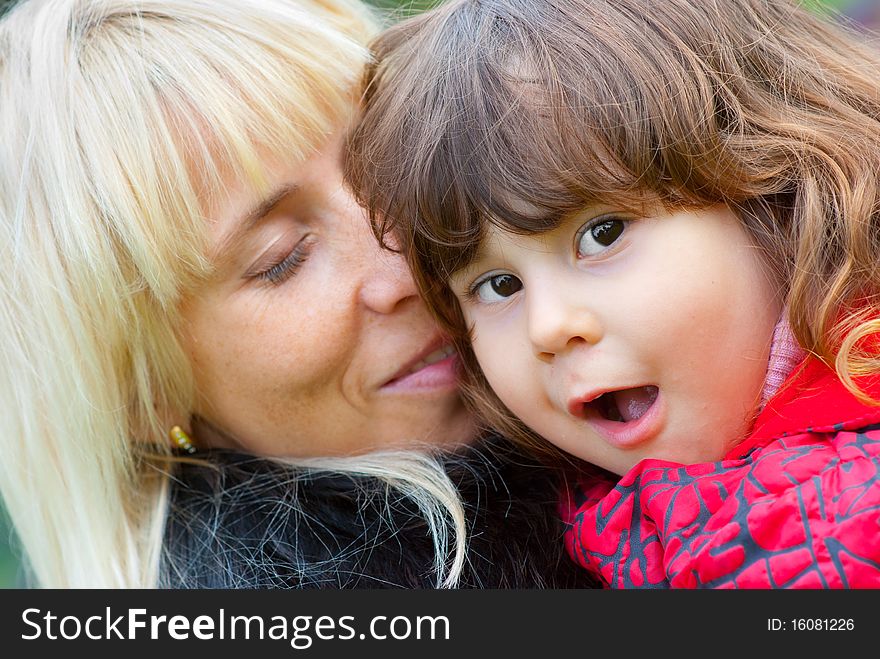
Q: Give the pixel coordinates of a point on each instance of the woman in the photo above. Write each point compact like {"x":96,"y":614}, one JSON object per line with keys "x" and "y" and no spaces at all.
{"x":180,"y":252}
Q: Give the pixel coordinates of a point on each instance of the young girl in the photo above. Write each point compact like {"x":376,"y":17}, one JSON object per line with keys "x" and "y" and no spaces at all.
{"x":653,"y":230}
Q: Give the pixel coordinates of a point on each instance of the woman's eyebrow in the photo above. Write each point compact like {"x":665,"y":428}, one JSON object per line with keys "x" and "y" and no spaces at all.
{"x":265,"y":206}
{"x":253,"y":216}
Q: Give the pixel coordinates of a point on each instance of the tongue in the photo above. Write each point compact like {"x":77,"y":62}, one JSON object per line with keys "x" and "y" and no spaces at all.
{"x":633,"y":403}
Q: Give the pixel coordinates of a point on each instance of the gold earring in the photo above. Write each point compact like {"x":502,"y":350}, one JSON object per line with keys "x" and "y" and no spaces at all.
{"x":179,"y":437}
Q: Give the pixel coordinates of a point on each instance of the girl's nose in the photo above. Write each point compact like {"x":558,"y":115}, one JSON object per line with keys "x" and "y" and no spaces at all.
{"x":557,"y":322}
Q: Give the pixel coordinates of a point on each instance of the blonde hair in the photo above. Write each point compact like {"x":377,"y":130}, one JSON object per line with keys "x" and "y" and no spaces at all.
{"x":120,"y":120}
{"x":517,"y":114}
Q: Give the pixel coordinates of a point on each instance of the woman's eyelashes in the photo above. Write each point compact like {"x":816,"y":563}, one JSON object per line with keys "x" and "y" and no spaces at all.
{"x":598,"y":235}
{"x":279,"y":272}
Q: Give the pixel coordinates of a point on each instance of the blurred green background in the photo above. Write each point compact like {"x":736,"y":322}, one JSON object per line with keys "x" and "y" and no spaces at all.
{"x":867,"y":11}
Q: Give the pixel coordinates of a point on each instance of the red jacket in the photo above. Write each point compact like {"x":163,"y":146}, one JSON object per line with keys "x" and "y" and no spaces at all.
{"x":796,"y":505}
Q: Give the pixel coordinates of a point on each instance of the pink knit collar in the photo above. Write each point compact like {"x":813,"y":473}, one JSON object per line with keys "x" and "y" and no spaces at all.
{"x":785,"y":354}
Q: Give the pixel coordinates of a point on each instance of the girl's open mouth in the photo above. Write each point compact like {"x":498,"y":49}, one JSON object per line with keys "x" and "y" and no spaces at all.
{"x":625,"y":405}
{"x":625,"y":417}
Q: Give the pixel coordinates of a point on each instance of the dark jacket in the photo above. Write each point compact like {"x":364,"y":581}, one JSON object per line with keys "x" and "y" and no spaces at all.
{"x":245,"y":522}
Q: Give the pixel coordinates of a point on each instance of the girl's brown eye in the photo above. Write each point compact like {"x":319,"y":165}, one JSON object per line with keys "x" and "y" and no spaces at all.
{"x":597,"y":236}
{"x":497,"y":287}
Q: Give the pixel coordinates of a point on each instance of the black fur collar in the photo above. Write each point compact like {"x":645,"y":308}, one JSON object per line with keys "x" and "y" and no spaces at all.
{"x":245,"y":522}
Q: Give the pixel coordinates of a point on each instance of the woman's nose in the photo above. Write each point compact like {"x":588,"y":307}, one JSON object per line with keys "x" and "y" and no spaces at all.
{"x":387,"y":281}
{"x":560,"y":319}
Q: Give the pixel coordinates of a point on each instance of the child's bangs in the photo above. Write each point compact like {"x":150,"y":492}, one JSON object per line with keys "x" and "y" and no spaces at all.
{"x":520,"y":119}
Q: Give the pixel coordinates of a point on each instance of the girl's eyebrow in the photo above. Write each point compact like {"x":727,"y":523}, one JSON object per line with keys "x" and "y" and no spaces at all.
{"x":477,"y":263}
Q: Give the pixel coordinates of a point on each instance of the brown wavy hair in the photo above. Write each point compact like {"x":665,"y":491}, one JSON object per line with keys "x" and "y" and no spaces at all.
{"x":518,"y":113}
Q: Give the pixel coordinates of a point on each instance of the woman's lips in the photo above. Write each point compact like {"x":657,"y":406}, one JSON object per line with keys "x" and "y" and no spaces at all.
{"x":625,"y":418}
{"x":435,"y":370}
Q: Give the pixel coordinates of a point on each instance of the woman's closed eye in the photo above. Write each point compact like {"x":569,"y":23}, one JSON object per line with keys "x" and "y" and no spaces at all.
{"x":599,"y":235}
{"x":279,"y":271}
{"x":495,"y":287}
